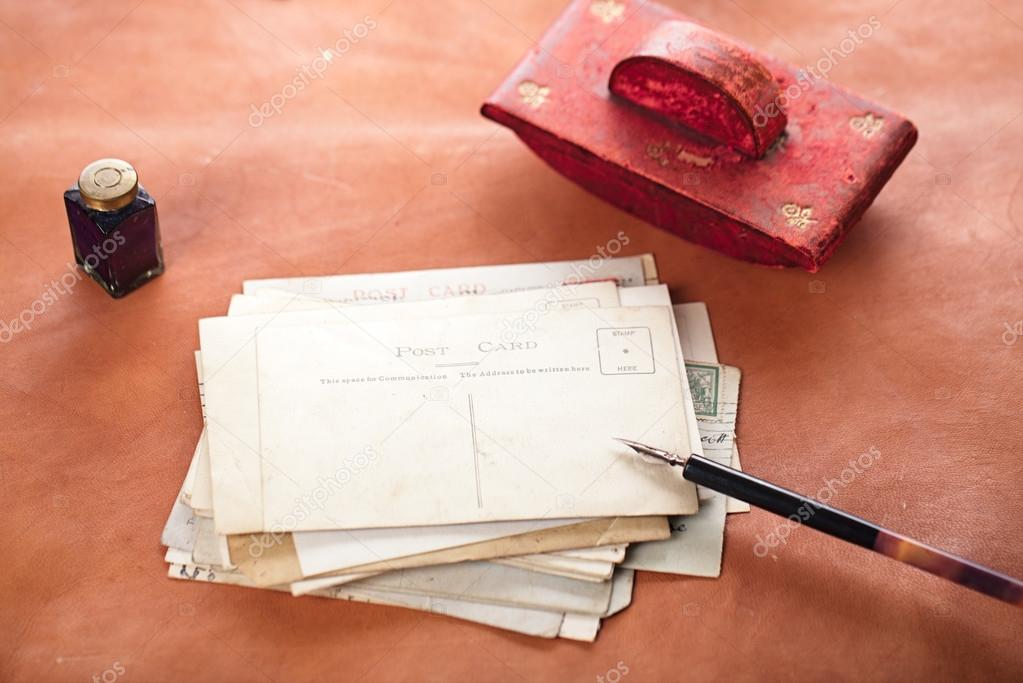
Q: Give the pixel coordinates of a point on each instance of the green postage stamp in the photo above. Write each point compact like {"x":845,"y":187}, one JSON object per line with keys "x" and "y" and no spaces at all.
{"x":715,"y":390}
{"x":705,"y":385}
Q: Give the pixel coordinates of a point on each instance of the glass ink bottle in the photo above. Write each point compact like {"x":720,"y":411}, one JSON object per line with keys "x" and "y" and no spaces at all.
{"x":114,"y":228}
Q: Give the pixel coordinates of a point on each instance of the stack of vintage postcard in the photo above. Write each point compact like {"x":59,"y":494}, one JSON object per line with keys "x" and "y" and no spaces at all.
{"x":444,"y":440}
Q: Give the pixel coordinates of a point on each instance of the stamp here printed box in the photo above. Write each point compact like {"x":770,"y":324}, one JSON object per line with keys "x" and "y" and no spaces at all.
{"x":700,"y":134}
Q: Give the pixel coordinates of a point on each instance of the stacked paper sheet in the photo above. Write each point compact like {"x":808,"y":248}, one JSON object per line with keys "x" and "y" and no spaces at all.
{"x":444,"y":441}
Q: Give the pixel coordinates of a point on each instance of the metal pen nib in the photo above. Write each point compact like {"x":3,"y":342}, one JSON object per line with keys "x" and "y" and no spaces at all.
{"x":670,"y":458}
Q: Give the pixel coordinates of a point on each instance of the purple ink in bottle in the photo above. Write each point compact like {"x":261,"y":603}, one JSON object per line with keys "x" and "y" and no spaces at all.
{"x":114,"y":228}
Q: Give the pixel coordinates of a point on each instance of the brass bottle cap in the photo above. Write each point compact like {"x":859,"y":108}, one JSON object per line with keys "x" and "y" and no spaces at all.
{"x":108,"y":184}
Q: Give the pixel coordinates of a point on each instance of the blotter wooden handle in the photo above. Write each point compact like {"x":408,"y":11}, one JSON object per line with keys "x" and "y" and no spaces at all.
{"x":704,"y":82}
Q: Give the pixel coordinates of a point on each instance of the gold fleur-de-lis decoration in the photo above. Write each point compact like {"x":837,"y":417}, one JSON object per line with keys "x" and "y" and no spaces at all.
{"x":607,"y":10}
{"x":798,"y":216}
{"x":867,"y":125}
{"x":659,"y":152}
{"x":533,"y":94}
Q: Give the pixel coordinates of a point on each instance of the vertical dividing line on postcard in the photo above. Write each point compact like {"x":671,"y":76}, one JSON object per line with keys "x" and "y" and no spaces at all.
{"x":475,"y":452}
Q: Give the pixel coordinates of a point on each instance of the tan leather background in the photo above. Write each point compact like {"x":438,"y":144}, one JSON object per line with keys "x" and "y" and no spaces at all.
{"x":384,"y":164}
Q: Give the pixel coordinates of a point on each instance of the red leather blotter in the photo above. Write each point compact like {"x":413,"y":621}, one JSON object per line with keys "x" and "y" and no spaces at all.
{"x":701,"y":134}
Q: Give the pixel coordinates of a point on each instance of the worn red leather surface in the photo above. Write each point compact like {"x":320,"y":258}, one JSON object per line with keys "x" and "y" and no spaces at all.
{"x":900,"y":343}
{"x":791,"y":208}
